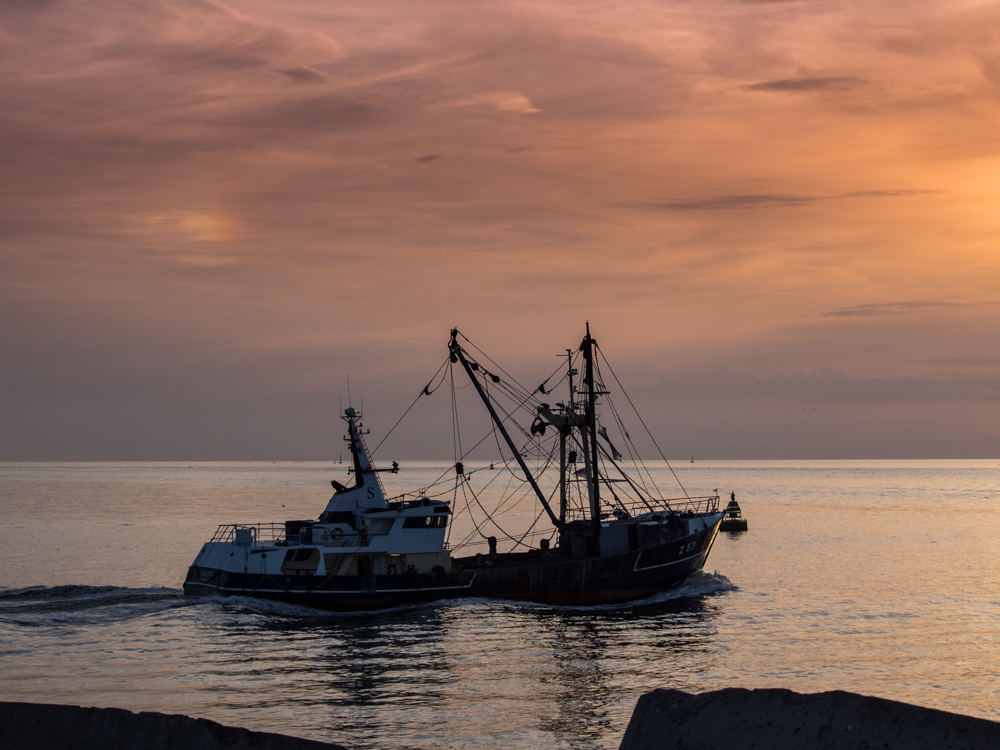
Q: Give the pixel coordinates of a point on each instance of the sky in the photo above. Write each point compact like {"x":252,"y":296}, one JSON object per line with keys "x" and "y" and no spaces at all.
{"x":222,"y":222}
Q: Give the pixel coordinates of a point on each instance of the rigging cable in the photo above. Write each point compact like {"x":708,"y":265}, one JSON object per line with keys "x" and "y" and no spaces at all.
{"x":643,"y":423}
{"x":425,"y":392}
{"x":504,"y":505}
{"x":640,"y":468}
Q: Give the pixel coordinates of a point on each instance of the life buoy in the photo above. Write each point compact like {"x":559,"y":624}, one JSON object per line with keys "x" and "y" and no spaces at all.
{"x":337,"y":534}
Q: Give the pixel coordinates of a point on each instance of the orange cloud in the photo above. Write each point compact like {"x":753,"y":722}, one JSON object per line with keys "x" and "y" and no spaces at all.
{"x":777,"y":187}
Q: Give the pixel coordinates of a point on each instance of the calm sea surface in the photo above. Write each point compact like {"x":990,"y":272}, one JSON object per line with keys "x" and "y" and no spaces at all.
{"x":879,"y":577}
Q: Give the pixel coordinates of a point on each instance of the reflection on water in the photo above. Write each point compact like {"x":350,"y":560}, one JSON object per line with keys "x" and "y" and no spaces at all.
{"x":597,"y":656}
{"x":482,"y":671}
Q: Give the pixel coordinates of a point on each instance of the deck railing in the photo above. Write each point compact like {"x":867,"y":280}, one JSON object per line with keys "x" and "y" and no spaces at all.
{"x":629,"y":508}
{"x":250,"y":534}
{"x":273,"y":534}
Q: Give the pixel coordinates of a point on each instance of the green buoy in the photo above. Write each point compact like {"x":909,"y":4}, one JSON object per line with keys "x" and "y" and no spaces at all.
{"x":733,"y":520}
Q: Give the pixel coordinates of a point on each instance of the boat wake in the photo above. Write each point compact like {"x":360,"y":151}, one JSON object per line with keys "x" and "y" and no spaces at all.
{"x":55,"y":606}
{"x":68,"y":606}
{"x":697,"y":584}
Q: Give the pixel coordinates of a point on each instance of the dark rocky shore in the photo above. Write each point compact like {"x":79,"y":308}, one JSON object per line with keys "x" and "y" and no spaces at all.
{"x":40,"y":726}
{"x":736,"y":718}
{"x":730,"y":719}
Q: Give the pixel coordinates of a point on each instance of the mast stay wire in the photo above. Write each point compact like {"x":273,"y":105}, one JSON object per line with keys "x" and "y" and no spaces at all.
{"x":643,"y":423}
{"x":458,"y":452}
{"x":524,"y":397}
{"x":520,"y":396}
{"x":490,"y":360}
{"x":489,"y":517}
{"x":425,"y":392}
{"x":478,"y":526}
{"x":491,"y":433}
{"x":637,"y":463}
{"x":511,"y":380}
{"x":521,"y":399}
{"x":509,"y":500}
{"x":635,"y":459}
{"x":451,"y":468}
{"x":641,"y":492}
{"x":467,"y":488}
{"x":642,"y":472}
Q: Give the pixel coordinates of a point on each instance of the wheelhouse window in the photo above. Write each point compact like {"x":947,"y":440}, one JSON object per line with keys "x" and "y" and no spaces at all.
{"x":300,"y":561}
{"x":425,"y":522}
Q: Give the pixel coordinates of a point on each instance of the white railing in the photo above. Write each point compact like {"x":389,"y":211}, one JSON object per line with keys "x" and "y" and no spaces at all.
{"x":250,"y":534}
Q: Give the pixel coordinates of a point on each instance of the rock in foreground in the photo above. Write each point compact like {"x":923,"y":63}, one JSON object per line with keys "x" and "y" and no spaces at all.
{"x":783,"y":720}
{"x":39,"y":726}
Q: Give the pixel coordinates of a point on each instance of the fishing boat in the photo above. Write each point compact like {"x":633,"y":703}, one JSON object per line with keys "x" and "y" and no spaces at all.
{"x":611,"y":536}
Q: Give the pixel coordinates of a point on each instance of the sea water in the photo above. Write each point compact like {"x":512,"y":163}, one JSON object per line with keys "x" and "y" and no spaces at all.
{"x":878,"y":577}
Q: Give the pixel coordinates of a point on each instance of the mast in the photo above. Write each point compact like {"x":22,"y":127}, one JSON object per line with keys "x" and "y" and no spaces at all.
{"x":457,"y":355}
{"x":562,"y":475}
{"x":564,"y":432}
{"x":367,"y":491}
{"x":593,"y":476}
{"x":356,"y":446}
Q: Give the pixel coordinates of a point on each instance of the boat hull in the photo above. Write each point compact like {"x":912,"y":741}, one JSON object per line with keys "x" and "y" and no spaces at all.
{"x":331,"y":593}
{"x":587,"y":581}
{"x":545,"y":578}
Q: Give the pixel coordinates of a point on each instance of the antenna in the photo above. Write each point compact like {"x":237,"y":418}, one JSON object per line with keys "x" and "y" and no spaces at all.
{"x":350,"y":402}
